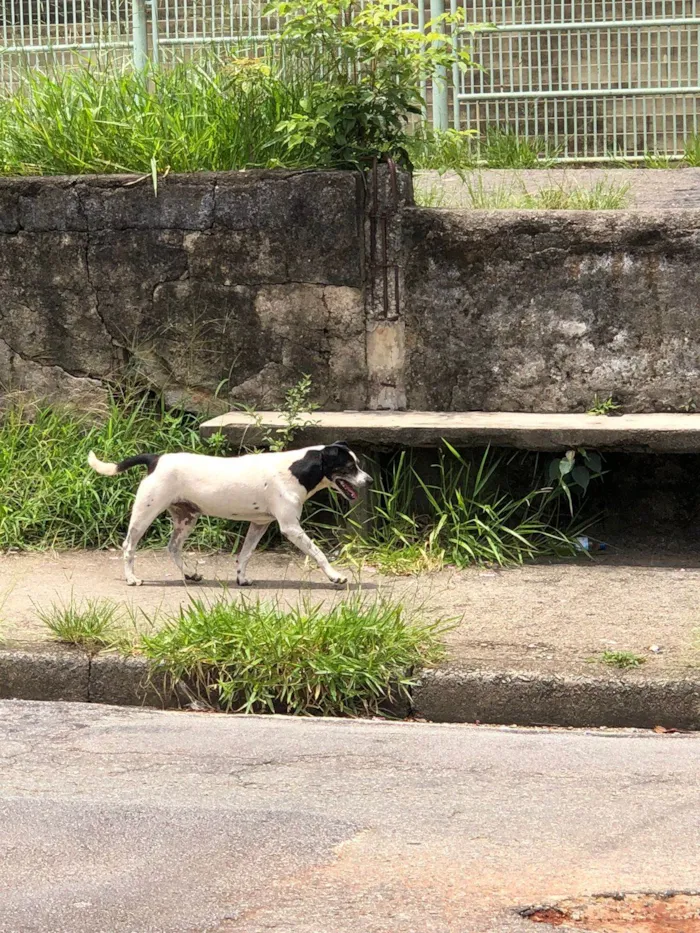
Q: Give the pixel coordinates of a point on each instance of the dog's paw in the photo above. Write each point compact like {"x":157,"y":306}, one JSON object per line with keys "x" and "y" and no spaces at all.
{"x":194,"y":577}
{"x":338,"y":579}
{"x":134,"y":581}
{"x":243,"y":581}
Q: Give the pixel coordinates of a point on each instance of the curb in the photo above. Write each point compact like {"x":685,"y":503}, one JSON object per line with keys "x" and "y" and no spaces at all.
{"x":503,"y":698}
{"x":526,"y":699}
{"x":62,"y":673}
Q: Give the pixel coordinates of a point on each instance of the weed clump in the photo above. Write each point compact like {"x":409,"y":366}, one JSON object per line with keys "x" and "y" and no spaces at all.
{"x":356,"y":658}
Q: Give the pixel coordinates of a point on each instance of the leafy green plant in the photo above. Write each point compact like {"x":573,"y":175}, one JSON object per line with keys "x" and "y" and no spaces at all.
{"x":603,"y":406}
{"x":624,"y":660}
{"x":365,"y":65}
{"x":574,"y":472}
{"x":295,"y":411}
{"x":92,"y":624}
{"x":356,"y":658}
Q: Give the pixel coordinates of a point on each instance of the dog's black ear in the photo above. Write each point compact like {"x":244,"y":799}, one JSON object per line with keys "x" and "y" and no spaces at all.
{"x":335,"y":456}
{"x":340,"y":444}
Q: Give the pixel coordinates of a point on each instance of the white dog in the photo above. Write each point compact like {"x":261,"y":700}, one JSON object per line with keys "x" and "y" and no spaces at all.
{"x":256,"y":488}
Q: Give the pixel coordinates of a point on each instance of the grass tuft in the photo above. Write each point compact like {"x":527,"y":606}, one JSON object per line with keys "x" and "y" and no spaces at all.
{"x":92,"y":625}
{"x":474,"y":194}
{"x":442,"y":150}
{"x":356,"y":658}
{"x":691,"y":155}
{"x":624,"y":660}
{"x":503,"y":148}
{"x":500,"y":147}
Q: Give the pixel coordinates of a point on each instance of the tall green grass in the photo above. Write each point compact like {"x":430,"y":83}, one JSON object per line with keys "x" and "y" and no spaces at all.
{"x":462,"y":515}
{"x":51,"y":498}
{"x":201,"y":115}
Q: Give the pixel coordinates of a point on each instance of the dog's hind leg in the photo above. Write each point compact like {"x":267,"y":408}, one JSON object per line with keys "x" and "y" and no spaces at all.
{"x":252,"y":539}
{"x":147,"y":507}
{"x":184,"y":516}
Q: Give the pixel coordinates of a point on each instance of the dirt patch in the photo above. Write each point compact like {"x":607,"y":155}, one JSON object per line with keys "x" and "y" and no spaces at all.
{"x":632,"y":913}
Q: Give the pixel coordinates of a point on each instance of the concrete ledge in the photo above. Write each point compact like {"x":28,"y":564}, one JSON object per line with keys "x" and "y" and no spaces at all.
{"x":631,"y":701}
{"x":654,"y":433}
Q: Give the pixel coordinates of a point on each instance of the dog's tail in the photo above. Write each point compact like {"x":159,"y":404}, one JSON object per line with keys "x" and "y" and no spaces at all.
{"x":111,"y":469}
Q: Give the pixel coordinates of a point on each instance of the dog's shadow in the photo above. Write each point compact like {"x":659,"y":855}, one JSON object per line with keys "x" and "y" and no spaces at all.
{"x":353,"y":587}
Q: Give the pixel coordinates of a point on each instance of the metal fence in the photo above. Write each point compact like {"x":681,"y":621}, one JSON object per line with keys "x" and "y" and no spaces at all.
{"x":595,"y":78}
{"x":49,"y":34}
{"x":612,"y":78}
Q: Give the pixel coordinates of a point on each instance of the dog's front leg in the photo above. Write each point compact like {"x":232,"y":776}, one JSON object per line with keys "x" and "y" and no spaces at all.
{"x":293,"y":531}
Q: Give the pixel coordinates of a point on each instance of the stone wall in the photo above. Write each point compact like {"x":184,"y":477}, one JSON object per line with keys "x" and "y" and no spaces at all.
{"x":535,"y":311}
{"x":226,"y":288}
{"x":237,"y":282}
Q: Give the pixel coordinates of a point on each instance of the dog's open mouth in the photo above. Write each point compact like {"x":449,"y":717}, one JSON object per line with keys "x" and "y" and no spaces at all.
{"x":347,"y":489}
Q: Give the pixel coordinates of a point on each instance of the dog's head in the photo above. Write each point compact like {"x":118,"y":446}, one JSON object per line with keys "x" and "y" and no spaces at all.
{"x":334,"y":466}
{"x":341,"y":468}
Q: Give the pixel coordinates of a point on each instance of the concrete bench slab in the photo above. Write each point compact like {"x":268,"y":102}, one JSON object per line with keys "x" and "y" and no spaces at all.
{"x":655,"y":433}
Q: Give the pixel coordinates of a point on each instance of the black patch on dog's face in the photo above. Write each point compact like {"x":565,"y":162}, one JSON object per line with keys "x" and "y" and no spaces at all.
{"x":337,"y":460}
{"x":341,"y":469}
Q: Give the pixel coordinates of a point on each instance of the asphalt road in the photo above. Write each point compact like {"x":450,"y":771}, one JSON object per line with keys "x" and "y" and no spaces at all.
{"x":131,"y":820}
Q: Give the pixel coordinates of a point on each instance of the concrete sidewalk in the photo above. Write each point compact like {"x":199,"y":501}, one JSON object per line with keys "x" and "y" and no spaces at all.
{"x":526,"y":641}
{"x":540,"y":617}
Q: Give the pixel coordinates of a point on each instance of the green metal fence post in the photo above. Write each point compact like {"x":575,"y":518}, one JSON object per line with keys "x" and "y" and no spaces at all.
{"x":139,"y":34}
{"x":155,"y":57}
{"x":440,"y":108}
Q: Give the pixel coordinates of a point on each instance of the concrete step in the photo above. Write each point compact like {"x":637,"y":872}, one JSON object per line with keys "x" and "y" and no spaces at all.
{"x":654,"y":433}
